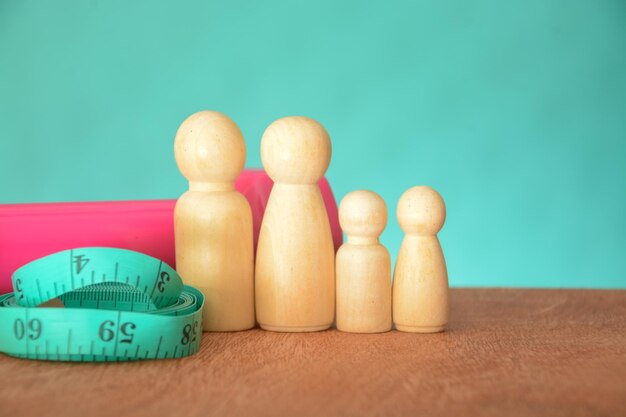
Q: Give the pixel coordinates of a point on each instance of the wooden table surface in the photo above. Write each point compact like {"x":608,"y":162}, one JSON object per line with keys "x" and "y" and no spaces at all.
{"x":508,"y":352}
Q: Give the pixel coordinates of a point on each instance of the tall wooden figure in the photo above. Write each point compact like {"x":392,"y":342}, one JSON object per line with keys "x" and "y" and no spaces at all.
{"x":420,"y":280}
{"x":213,"y":221}
{"x":363,"y":266}
{"x":295,"y":261}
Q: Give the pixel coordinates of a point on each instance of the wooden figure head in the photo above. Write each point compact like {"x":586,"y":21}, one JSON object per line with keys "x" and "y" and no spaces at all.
{"x":295,"y":150}
{"x":209,"y":147}
{"x":363,"y":214}
{"x":421,"y":211}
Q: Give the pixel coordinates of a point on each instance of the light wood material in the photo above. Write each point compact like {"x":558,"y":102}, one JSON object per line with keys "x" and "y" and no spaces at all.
{"x":295,"y":260}
{"x":363,"y":266}
{"x":213,"y":221}
{"x":535,"y":353}
{"x":420,"y":283}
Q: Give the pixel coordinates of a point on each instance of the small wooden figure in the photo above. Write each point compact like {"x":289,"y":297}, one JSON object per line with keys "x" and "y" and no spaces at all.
{"x":363,"y":266}
{"x":295,"y":261}
{"x":213,"y":221}
{"x":420,"y":281}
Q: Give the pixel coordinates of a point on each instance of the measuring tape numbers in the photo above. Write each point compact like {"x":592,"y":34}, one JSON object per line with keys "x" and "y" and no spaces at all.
{"x":119,"y":305}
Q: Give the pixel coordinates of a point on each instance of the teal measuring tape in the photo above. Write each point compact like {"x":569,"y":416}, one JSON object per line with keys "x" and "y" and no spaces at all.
{"x":119,"y":305}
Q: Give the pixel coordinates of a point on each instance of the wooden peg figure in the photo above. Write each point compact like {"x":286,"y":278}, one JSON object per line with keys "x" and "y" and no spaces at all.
{"x":363,"y":266}
{"x":213,"y":221}
{"x":420,"y":281}
{"x":295,"y":261}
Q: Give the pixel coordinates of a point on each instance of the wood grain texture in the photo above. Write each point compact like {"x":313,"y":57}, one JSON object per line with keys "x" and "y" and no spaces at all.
{"x":506,"y":352}
{"x":420,"y":277}
{"x":363,"y":266}
{"x":294,"y":274}
{"x":213,"y":222}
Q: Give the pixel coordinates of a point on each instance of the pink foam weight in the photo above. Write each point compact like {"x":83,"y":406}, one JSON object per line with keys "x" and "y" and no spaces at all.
{"x":30,"y":231}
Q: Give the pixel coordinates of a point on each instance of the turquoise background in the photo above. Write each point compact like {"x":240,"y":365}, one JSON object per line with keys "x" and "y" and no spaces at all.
{"x":514,"y":111}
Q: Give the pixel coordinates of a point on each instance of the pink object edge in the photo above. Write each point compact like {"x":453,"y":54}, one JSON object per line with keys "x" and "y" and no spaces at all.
{"x":30,"y":231}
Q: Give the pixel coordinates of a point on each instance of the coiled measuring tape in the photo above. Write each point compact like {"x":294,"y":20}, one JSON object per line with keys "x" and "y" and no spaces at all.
{"x":119,"y":305}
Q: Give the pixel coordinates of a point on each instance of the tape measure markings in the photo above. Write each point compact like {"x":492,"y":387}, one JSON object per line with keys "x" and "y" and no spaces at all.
{"x":153,"y":316}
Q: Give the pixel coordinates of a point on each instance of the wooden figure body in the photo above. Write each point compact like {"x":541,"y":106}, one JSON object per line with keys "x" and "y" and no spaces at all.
{"x":295,"y":261}
{"x":420,"y":283}
{"x":213,"y":221}
{"x":363,"y":266}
